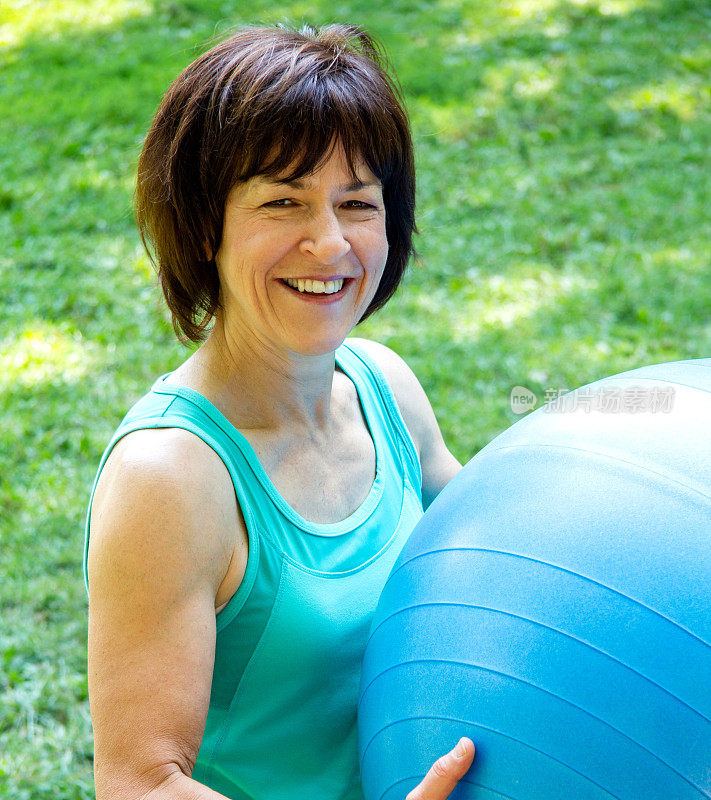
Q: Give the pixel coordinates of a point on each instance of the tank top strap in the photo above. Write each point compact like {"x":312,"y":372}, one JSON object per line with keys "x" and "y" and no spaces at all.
{"x":379,"y":402}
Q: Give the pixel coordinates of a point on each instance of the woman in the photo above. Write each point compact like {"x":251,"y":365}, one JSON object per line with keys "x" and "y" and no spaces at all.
{"x":249,"y":508}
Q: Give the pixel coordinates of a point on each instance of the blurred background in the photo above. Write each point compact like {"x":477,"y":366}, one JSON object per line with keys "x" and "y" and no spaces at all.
{"x":564,"y":185}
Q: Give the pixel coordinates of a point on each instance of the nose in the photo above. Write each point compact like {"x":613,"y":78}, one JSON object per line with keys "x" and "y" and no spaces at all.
{"x":324,"y":239}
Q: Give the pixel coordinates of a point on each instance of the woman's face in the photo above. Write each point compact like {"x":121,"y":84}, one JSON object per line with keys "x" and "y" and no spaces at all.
{"x":278,"y":237}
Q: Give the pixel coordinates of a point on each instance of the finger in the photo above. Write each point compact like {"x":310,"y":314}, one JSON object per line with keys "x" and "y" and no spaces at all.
{"x":445,"y":773}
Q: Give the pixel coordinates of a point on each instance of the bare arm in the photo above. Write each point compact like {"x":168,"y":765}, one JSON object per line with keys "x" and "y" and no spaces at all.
{"x":439,"y":466}
{"x":162,"y":536}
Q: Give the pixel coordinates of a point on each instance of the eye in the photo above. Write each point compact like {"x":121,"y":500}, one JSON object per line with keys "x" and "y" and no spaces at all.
{"x":279,"y":203}
{"x":360,"y":205}
{"x":285,"y":202}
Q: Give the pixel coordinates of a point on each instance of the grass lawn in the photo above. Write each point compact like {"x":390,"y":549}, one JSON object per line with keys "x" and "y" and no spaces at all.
{"x":564,"y":187}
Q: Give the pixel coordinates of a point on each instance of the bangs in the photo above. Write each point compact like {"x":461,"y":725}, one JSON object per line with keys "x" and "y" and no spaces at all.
{"x":294,"y":134}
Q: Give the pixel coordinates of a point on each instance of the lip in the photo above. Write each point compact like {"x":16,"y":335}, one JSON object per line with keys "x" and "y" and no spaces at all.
{"x":317,"y":278}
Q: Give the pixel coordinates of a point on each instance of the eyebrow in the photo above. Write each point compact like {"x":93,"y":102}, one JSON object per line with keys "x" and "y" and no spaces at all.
{"x":353,"y":186}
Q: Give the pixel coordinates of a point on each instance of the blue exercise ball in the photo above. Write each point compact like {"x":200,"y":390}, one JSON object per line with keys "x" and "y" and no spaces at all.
{"x":554,"y":605}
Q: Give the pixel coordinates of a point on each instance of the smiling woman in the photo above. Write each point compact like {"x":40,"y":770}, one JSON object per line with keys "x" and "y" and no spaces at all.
{"x":331,"y":232}
{"x":249,"y":507}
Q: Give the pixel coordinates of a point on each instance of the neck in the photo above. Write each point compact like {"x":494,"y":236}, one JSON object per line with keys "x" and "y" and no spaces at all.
{"x":261,"y":385}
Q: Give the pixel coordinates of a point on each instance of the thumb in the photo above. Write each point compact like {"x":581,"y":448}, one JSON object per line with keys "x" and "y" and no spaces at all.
{"x":445,"y":773}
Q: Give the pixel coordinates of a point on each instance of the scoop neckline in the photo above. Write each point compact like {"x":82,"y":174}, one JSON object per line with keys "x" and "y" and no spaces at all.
{"x":357,"y":518}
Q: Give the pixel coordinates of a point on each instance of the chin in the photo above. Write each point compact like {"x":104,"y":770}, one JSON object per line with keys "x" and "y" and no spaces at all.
{"x":321,"y":347}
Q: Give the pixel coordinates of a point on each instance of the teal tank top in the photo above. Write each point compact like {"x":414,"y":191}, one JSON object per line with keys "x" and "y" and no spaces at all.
{"x":282,"y":718}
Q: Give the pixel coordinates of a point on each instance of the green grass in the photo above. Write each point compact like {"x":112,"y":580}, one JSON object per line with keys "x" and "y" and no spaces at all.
{"x":564,"y":182}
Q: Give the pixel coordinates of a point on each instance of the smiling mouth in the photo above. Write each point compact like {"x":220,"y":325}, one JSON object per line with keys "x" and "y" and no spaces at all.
{"x":315,"y":287}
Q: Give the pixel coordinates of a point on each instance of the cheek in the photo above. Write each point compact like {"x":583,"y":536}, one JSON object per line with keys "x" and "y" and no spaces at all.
{"x":248,"y":255}
{"x":375,"y":246}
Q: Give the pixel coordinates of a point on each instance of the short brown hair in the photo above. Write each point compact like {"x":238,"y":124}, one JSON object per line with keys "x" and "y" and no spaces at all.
{"x":267,"y":92}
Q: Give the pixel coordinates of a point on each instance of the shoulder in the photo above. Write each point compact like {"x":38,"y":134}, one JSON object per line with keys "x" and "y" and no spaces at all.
{"x":164,"y":498}
{"x":170,"y":461}
{"x":409,"y":394}
{"x":438,"y":465}
{"x":392,"y":365}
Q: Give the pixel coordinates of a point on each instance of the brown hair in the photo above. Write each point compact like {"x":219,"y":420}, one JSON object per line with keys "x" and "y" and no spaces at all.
{"x":267,"y":92}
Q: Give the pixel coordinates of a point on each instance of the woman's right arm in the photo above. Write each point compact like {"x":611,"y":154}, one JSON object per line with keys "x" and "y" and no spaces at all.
{"x":163,"y":528}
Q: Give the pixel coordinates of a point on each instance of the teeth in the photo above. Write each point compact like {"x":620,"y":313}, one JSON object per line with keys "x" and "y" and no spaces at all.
{"x":315,"y":287}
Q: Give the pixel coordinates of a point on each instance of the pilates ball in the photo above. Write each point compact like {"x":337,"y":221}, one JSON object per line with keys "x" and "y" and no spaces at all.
{"x":554,"y":605}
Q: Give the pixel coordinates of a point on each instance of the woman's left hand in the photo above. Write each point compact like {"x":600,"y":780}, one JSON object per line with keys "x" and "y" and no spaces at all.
{"x":445,"y":773}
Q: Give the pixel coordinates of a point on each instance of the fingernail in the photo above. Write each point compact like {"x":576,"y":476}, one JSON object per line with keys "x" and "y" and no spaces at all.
{"x":461,"y":749}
